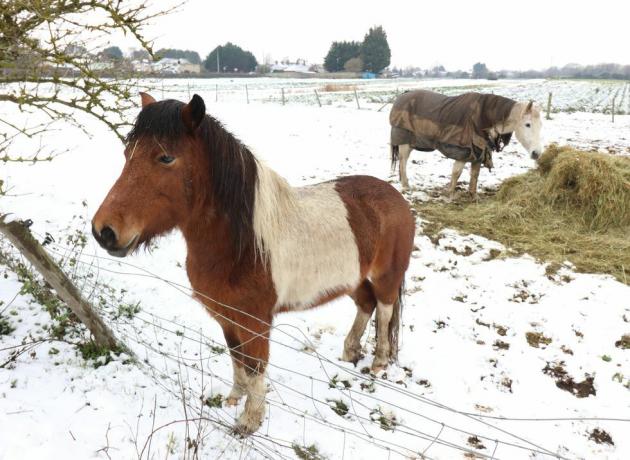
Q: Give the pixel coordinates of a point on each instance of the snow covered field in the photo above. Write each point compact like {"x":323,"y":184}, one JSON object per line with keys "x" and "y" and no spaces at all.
{"x":568,"y":95}
{"x":469,"y":383}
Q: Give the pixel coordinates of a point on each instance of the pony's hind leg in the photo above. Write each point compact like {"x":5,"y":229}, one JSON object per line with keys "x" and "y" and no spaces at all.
{"x":474,"y":176}
{"x":366,"y":303}
{"x":384,"y":313}
{"x":387,"y":289}
{"x":403,"y":151}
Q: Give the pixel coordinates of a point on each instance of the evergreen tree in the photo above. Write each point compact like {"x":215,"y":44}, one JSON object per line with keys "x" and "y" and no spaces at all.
{"x":340,"y":53}
{"x":480,"y":70}
{"x":375,"y":50}
{"x":113,"y":53}
{"x":189,"y":55}
{"x":232,"y":58}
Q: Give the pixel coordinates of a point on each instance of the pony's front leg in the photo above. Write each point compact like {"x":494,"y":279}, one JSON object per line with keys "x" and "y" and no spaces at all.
{"x":403,"y":151}
{"x":239,"y":381}
{"x":458,"y":167}
{"x":255,"y":355}
{"x":474,"y":176}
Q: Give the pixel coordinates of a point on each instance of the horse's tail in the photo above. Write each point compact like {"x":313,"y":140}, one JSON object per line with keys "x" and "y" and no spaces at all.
{"x":396,"y":322}
{"x":394,"y":155}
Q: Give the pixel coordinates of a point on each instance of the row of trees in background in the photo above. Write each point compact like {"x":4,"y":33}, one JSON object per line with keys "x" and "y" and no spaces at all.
{"x":371,"y":55}
{"x":114,"y":53}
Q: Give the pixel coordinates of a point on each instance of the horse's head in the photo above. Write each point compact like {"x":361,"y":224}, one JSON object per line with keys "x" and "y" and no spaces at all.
{"x":528,"y":127}
{"x":154,"y":192}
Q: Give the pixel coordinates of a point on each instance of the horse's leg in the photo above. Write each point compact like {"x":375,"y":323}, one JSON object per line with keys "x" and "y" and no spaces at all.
{"x":384,"y":314}
{"x":474,"y":175}
{"x":366,"y":302}
{"x":239,"y":382}
{"x":458,"y":167}
{"x":386,"y":290}
{"x":254,"y":356}
{"x":403,"y":155}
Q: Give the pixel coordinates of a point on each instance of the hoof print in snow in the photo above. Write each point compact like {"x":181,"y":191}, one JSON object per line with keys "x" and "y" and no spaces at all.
{"x":600,"y":437}
{"x":565,"y":382}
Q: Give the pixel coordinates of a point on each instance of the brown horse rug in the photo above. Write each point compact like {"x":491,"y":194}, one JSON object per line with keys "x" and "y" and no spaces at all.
{"x":457,"y":126}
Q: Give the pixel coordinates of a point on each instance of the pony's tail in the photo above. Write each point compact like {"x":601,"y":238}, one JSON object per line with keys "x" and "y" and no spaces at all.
{"x":396,"y":322}
{"x":394,"y":155}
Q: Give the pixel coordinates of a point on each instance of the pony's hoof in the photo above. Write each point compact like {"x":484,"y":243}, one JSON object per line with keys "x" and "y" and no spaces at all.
{"x":379,"y":364}
{"x":351,"y":355}
{"x":248,"y":424}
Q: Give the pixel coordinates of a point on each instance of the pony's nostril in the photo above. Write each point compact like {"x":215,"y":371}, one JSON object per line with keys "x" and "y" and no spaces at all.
{"x":108,"y":237}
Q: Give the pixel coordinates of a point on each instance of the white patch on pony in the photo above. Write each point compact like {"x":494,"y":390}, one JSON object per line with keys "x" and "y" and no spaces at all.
{"x":305,"y":235}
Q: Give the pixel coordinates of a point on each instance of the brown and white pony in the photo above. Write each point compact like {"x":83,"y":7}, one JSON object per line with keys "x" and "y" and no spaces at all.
{"x":257,"y":246}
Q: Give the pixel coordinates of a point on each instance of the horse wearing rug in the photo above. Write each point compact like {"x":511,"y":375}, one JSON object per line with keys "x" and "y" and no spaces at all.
{"x":466,"y":128}
{"x":255,"y":245}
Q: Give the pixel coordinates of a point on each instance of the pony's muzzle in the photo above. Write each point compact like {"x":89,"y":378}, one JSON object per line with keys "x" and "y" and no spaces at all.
{"x":108,"y":240}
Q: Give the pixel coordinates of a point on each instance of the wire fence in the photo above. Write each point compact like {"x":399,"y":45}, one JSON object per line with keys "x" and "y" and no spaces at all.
{"x":420,"y":427}
{"x":566,"y":96}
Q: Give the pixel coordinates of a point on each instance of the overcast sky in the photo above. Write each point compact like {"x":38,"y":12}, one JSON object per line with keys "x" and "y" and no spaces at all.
{"x":504,"y":34}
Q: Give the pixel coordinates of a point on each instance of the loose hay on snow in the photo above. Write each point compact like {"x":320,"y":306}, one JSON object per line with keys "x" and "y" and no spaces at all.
{"x":575,"y":206}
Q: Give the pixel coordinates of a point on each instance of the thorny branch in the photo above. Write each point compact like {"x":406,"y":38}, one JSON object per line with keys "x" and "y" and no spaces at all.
{"x":49,"y":65}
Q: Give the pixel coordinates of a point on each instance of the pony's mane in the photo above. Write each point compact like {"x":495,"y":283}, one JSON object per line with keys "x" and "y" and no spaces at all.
{"x":233,"y":167}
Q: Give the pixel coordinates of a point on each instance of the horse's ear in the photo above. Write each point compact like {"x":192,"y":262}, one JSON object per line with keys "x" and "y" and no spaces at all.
{"x":528,"y":109}
{"x":193,"y":113}
{"x":146,"y":99}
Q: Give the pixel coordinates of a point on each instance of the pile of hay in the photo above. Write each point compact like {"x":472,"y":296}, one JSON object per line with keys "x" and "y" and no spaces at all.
{"x":575,"y":206}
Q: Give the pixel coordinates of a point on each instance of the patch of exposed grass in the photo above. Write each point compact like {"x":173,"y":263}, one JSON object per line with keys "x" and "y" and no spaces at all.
{"x":5,"y":326}
{"x":624,"y":342}
{"x":535,"y":339}
{"x":307,"y":452}
{"x":575,"y":206}
{"x":336,"y":87}
{"x":96,"y":354}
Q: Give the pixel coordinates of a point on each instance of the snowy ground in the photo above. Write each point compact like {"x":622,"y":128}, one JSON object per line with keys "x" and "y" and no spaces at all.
{"x":467,"y":383}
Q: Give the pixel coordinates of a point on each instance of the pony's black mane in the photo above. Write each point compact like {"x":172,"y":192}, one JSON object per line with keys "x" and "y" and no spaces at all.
{"x":233,"y":168}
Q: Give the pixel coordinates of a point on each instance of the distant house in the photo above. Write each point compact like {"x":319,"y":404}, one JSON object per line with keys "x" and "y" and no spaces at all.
{"x":100,"y":66}
{"x":175,"y":66}
{"x":142,"y":66}
{"x":300,"y":66}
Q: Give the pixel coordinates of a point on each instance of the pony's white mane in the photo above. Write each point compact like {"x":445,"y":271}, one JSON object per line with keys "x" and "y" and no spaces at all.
{"x":275,"y":200}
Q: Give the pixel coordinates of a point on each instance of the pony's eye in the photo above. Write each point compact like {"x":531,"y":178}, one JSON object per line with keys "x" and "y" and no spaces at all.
{"x":528,"y":125}
{"x":166,"y":159}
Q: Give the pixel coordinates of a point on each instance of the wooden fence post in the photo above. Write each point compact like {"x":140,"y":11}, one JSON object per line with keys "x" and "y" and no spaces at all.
{"x":22,"y":239}
{"x":162,"y":89}
{"x":188,"y":84}
{"x":317,"y":96}
{"x":247,"y":93}
{"x":216,"y":93}
{"x":357,"y":98}
{"x":282,"y":96}
{"x":548,"y":117}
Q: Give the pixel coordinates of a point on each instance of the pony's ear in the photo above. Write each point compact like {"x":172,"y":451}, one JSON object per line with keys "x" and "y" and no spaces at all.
{"x":193,"y":113}
{"x":528,"y":109}
{"x":146,"y":99}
